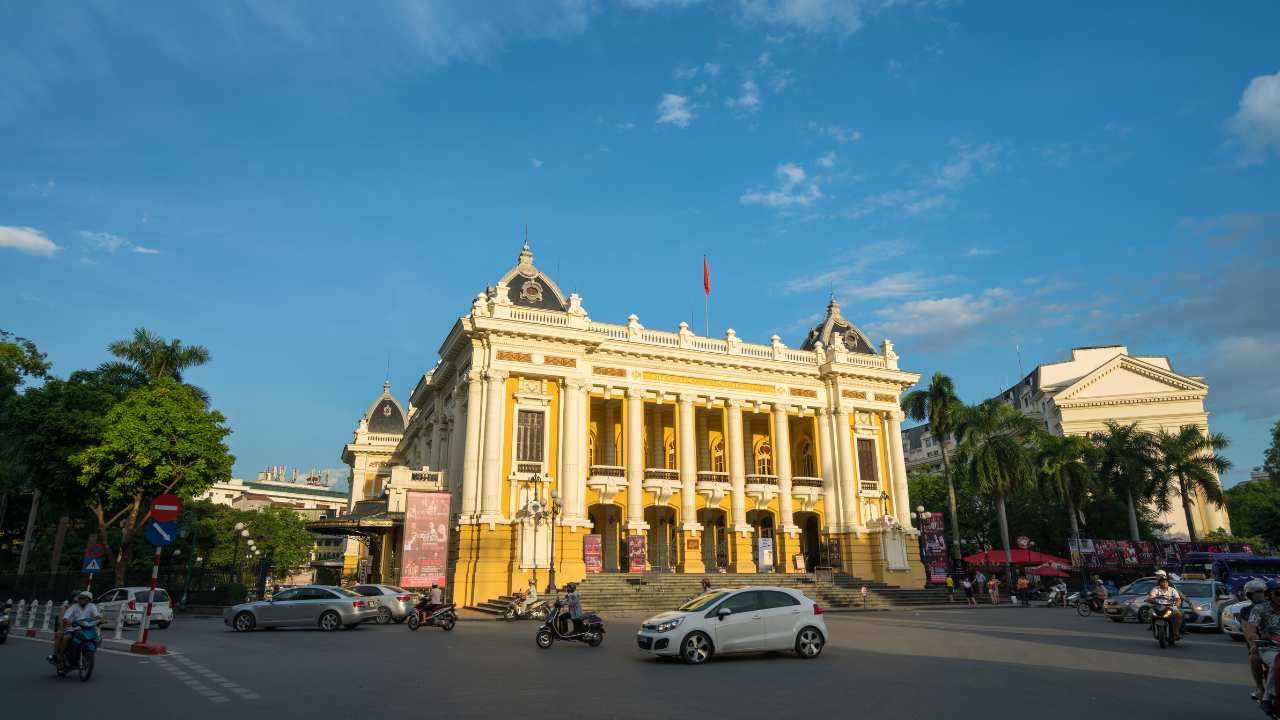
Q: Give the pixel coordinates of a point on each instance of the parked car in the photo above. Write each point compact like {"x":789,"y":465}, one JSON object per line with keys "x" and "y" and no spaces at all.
{"x":327,"y":606}
{"x":1206,"y":598}
{"x":1130,"y":603}
{"x":391,"y":603}
{"x":1232,"y":617}
{"x":751,"y":619}
{"x":130,"y":603}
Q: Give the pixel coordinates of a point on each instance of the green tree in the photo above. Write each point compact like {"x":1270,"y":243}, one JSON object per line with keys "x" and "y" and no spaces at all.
{"x":993,"y":454}
{"x":939,"y":405}
{"x":159,"y":439}
{"x":1126,"y":464}
{"x":1066,"y":467}
{"x":20,"y":362}
{"x":1254,"y":506}
{"x":1271,"y":458}
{"x":1189,"y":461}
{"x":153,"y":358}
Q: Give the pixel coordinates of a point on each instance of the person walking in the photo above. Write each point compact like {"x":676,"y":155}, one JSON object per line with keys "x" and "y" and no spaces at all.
{"x":706,"y":584}
{"x":951,"y":588}
{"x":967,"y":585}
{"x":993,"y":589}
{"x":865,"y":594}
{"x":1024,"y":587}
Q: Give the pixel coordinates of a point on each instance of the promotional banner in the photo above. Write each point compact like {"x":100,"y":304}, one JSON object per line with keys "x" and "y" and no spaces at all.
{"x":764,"y":554}
{"x":1128,"y":555}
{"x":637,"y":548}
{"x":934,"y":543}
{"x":593,"y":553}
{"x":426,"y":539}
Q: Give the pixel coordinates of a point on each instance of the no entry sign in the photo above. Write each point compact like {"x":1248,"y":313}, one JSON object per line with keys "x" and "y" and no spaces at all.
{"x":165,"y":508}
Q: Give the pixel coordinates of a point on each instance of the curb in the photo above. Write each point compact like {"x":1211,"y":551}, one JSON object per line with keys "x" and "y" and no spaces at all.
{"x":148,"y":649}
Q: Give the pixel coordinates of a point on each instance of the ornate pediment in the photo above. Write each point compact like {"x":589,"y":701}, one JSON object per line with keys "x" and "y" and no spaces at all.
{"x":1126,"y":377}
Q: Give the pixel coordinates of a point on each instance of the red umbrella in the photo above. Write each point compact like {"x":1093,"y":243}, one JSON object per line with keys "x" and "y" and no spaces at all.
{"x":1019,"y":556}
{"x":1047,"y":570}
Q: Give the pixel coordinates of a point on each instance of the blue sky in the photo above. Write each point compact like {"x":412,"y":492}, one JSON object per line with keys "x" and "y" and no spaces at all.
{"x":311,"y":190}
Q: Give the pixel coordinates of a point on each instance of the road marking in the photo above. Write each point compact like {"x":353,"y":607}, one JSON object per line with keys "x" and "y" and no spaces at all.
{"x":217,"y":679}
{"x":185,"y":678}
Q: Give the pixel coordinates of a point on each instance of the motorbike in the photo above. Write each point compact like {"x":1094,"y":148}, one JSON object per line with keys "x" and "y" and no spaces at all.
{"x":82,"y":646}
{"x":1161,"y":621}
{"x":1275,"y":709}
{"x":557,"y":626}
{"x":518,"y":609}
{"x":1057,"y":597}
{"x":4,"y":622}
{"x":445,"y":616}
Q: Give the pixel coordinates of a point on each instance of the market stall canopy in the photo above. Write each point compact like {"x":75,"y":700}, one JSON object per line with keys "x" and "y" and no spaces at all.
{"x":1019,"y":557}
{"x":1047,"y":571}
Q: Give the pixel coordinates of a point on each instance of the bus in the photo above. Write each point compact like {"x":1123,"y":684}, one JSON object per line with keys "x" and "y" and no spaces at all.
{"x":1230,"y":569}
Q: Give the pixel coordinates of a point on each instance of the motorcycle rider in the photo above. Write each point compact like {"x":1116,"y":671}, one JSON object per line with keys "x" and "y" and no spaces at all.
{"x":573,"y":605}
{"x":1266,"y":621}
{"x":1099,"y":594}
{"x":82,"y":608}
{"x":1058,"y":593}
{"x":1255,"y":591}
{"x":1164,"y":591}
{"x":530,"y":597}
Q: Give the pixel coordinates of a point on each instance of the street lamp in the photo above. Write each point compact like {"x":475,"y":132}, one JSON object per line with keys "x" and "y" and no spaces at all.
{"x":235,"y":554}
{"x":533,"y":511}
{"x":551,"y":568}
{"x":922,"y":516}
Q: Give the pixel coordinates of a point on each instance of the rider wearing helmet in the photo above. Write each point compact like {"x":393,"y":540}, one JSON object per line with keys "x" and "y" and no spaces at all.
{"x":1164,"y":591}
{"x":1255,"y":591}
{"x":1266,"y":621}
{"x":82,"y":608}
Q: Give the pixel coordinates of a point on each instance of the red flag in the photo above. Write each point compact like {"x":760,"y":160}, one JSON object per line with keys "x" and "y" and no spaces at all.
{"x":706,"y":276}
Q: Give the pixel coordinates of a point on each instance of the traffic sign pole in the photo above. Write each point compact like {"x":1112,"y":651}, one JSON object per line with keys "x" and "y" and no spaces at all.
{"x":151,"y":596}
{"x":160,"y":532}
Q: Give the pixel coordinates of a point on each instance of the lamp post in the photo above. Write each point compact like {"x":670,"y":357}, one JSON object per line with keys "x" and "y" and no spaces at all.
{"x":533,"y":510}
{"x":552,"y":511}
{"x":235,"y":554}
{"x":922,"y":516}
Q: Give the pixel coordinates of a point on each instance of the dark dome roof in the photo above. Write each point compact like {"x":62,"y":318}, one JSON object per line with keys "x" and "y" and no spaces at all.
{"x":527,"y":286}
{"x":386,"y":415}
{"x":850,"y":335}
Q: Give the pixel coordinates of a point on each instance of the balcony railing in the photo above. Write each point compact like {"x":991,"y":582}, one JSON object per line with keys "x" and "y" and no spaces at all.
{"x":661,"y":474}
{"x":869,"y":486}
{"x":762,"y":479}
{"x":803,"y":481}
{"x":529,"y":468}
{"x":425,"y":476}
{"x":614,"y":471}
{"x":710,"y":476}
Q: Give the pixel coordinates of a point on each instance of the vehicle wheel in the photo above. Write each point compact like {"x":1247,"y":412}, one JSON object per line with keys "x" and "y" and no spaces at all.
{"x":4,"y":635}
{"x":384,"y":615}
{"x":1083,"y":609}
{"x":243,"y":621}
{"x":448,"y":621}
{"x":809,"y":643}
{"x":596,"y":639}
{"x":414,"y":621}
{"x":1160,"y":637}
{"x":544,"y":639}
{"x":164,"y":624}
{"x":330,"y":620}
{"x":86,"y":665}
{"x":1115,"y":619}
{"x":1144,"y":615}
{"x":696,"y":648}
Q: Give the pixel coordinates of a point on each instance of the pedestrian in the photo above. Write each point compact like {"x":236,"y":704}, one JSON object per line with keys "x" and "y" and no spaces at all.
{"x":865,"y":592}
{"x":951,"y":588}
{"x":706,"y":584}
{"x":1023,"y":587}
{"x":993,"y":589}
{"x":967,"y":585}
{"x":979,"y":579}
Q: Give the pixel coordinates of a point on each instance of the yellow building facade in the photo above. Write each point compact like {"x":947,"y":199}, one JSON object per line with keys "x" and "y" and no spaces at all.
{"x":720,"y":454}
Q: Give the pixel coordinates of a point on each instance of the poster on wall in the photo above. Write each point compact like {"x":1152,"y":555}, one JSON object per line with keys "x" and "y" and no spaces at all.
{"x":637,"y":549}
{"x":764,"y":554}
{"x":425,"y":552}
{"x":593,"y":553}
{"x":935,"y":548}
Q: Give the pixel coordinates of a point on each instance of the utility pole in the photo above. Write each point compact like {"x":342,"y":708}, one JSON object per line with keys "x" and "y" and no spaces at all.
{"x":31,"y":526}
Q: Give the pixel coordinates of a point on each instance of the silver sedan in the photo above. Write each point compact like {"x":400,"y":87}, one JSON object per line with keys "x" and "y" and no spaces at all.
{"x":325,"y":606}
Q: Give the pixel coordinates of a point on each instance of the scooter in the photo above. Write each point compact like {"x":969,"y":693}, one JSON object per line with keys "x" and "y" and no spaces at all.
{"x":557,"y":627}
{"x":445,"y":616}
{"x":4,"y":622}
{"x":518,"y":609}
{"x":1161,"y":621}
{"x":82,"y":646}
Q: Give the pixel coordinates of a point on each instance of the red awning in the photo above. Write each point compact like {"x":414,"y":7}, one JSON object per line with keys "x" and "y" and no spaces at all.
{"x":1047,"y":571}
{"x":1019,"y":557}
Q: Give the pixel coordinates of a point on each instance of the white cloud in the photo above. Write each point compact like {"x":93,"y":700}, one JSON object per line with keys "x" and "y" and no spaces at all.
{"x":968,"y":161}
{"x":712,"y":69}
{"x":686,"y":73}
{"x":900,"y":284}
{"x":795,"y":187}
{"x":981,"y":252}
{"x":536,"y":163}
{"x":941,"y":318}
{"x":26,"y":240}
{"x":827,"y":160}
{"x":841,"y":135}
{"x":894,"y":67}
{"x":840,"y":17}
{"x":674,"y":110}
{"x":624,"y":126}
{"x":107,"y":242}
{"x":749,"y":100}
{"x":651,"y":4}
{"x":848,"y":264}
{"x":1257,"y":124}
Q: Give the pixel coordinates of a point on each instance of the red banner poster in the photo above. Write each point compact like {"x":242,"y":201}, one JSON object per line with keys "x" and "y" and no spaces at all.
{"x":593,"y":553}
{"x":636,"y":552}
{"x":426,"y":539}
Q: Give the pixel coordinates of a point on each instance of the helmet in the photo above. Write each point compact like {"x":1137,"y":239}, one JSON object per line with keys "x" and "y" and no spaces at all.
{"x":1162,"y":574}
{"x":84,"y":594}
{"x":1255,"y":585}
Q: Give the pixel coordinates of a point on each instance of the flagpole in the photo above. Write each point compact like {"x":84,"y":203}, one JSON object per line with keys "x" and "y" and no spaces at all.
{"x":706,"y":314}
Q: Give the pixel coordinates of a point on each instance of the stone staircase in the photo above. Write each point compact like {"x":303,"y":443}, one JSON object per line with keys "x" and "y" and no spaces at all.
{"x":655,"y":592}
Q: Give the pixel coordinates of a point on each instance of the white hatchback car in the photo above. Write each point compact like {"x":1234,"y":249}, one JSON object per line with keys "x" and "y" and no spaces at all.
{"x":751,"y":619}
{"x":131,"y":603}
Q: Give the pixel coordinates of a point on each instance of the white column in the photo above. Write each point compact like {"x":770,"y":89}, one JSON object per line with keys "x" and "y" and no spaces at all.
{"x":737,"y":469}
{"x":609,"y":456}
{"x":635,"y":459}
{"x":782,"y":456}
{"x":574,"y":433}
{"x":703,"y":441}
{"x":830,"y":487}
{"x":656,"y":449}
{"x":584,"y":423}
{"x":494,"y":413}
{"x":847,"y":479}
{"x":471,"y":446}
{"x":898,"y":466}
{"x":688,"y":466}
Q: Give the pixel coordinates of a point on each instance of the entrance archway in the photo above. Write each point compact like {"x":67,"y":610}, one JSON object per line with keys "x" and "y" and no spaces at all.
{"x":762,"y":525}
{"x":664,"y":539}
{"x":606,"y":521}
{"x":715,"y":541}
{"x":810,"y":539}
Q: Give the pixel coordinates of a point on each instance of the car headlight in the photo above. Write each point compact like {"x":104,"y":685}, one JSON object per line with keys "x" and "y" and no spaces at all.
{"x":1228,"y":616}
{"x":1202,"y":608}
{"x":668,"y":625}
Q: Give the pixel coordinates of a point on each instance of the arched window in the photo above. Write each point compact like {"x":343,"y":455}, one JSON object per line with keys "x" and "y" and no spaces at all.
{"x":717,"y":456}
{"x":671,"y":453}
{"x":804,"y":456}
{"x":764,"y":458}
{"x":591,"y":449}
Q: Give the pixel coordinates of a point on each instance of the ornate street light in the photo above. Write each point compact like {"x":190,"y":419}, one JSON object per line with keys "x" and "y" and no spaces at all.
{"x":922,"y":516}
{"x":553,"y":511}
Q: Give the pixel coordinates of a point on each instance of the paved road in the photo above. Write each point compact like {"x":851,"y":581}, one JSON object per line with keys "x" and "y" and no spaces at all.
{"x":924,"y":664}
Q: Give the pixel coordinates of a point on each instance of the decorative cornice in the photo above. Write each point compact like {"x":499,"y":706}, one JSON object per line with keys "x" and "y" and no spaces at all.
{"x":609,"y":371}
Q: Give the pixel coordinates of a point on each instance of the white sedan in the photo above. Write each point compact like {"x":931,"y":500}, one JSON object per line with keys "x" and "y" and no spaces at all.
{"x":752,"y":619}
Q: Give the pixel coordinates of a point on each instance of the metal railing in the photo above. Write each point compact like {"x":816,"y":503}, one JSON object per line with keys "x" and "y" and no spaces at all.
{"x":762,"y":479}
{"x":608,"y":471}
{"x":709,"y":476}
{"x":661,"y":474}
{"x":803,"y":481}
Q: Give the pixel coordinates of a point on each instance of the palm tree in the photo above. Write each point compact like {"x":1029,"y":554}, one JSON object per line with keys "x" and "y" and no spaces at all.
{"x":1127,"y":463}
{"x":939,"y":405}
{"x":993,"y":453}
{"x":1190,"y":459}
{"x":1066,"y":465}
{"x":152,"y":358}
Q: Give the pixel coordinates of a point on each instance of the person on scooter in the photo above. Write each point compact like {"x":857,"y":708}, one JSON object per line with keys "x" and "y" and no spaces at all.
{"x":573,"y":605}
{"x":1164,"y":591}
{"x":82,"y":608}
{"x":1099,"y":595}
{"x":1255,"y":591}
{"x":1266,"y":621}
{"x":530,"y":597}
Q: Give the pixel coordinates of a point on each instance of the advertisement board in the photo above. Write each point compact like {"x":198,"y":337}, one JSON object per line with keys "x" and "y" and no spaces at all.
{"x":764,"y":554}
{"x":934,"y":543}
{"x":637,"y":548}
{"x":425,"y":552}
{"x":593,"y":553}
